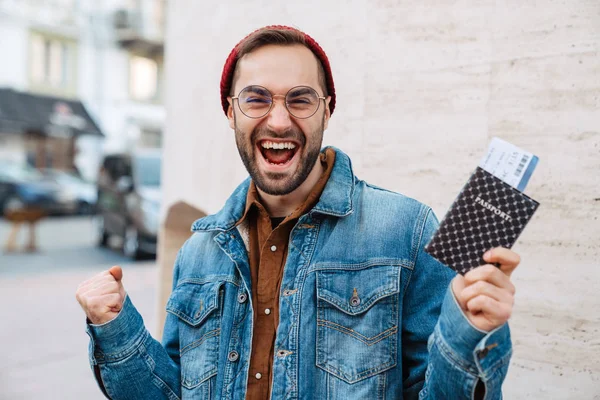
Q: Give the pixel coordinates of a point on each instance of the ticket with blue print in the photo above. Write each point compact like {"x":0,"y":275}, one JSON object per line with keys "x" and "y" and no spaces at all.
{"x":510,"y":163}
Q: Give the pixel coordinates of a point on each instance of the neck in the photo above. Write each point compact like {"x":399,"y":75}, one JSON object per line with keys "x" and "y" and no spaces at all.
{"x":281,"y":206}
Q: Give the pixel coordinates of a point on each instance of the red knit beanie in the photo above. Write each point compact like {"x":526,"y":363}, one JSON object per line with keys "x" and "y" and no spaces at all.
{"x":232,"y":59}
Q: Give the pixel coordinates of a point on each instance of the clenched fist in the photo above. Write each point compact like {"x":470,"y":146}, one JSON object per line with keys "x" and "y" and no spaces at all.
{"x":102,"y":296}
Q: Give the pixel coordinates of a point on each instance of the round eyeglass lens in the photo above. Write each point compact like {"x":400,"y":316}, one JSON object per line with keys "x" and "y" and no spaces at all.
{"x":255,"y":101}
{"x":302,"y":101}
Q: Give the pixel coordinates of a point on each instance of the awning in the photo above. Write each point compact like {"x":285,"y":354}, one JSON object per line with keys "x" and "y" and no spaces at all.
{"x":52,"y":116}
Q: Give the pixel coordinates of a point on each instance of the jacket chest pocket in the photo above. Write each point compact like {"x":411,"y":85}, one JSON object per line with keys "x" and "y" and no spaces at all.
{"x":357,"y":320}
{"x":198,"y":309}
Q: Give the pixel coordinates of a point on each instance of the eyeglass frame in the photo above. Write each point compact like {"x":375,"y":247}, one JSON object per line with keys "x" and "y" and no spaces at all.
{"x":284,"y":101}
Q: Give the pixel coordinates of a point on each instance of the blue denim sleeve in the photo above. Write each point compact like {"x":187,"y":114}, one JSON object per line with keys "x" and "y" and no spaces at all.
{"x":444,"y":356}
{"x":461,"y":356}
{"x":128,"y":362}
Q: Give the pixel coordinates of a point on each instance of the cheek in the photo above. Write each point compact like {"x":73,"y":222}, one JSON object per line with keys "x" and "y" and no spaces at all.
{"x":312,"y":130}
{"x":245,"y":128}
{"x":305,"y":127}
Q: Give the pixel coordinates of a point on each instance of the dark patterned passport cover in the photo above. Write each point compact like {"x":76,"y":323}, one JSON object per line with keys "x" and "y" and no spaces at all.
{"x":487,"y":213}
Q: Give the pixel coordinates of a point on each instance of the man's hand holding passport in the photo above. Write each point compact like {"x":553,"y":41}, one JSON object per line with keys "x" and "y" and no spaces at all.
{"x":490,"y":211}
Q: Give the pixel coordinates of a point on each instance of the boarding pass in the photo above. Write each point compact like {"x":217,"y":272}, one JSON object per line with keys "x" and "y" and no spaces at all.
{"x":510,"y":163}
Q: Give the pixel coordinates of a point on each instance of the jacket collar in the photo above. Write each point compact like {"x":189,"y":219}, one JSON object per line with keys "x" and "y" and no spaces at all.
{"x":336,"y":199}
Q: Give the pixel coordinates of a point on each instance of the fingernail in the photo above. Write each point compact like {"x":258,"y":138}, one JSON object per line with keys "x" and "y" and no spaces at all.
{"x":487,"y":255}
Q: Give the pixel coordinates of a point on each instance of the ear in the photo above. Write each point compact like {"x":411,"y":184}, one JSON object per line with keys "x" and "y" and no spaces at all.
{"x":327,"y":113}
{"x":230,"y":113}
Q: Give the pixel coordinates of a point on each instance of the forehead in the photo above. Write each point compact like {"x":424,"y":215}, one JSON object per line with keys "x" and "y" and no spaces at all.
{"x":278,"y":68}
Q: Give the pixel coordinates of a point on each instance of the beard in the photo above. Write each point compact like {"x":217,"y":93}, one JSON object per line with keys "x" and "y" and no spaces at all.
{"x":279,"y":183}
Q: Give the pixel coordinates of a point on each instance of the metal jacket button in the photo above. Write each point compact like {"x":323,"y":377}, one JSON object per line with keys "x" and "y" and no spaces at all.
{"x":233,"y":356}
{"x":354,"y":300}
{"x":484,"y":352}
{"x":242,"y":297}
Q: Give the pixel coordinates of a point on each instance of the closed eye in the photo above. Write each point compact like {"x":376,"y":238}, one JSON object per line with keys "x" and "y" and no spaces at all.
{"x":258,"y":100}
{"x":302,"y":100}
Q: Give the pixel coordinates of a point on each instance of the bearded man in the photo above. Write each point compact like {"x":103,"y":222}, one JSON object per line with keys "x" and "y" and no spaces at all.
{"x":309,"y":283}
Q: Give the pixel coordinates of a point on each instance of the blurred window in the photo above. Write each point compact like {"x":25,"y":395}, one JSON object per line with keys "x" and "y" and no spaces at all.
{"x":148,"y":170}
{"x":52,"y":63}
{"x":150,"y":138}
{"x":143,"y":78}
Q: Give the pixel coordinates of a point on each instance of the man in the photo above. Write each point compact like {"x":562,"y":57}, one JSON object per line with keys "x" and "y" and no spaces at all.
{"x":309,"y":283}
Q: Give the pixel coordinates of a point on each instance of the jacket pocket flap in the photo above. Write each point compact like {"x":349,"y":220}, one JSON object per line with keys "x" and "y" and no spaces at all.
{"x":354,"y":291}
{"x":193,"y":302}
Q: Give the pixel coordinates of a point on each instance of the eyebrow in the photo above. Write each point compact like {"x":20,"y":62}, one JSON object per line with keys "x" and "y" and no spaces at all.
{"x":260,"y":91}
{"x":300,"y":91}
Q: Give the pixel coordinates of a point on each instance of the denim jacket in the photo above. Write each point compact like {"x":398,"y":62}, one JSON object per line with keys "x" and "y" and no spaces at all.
{"x":365,"y":313}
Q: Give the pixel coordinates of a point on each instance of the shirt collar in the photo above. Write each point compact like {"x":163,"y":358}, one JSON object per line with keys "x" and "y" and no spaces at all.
{"x":336,"y":199}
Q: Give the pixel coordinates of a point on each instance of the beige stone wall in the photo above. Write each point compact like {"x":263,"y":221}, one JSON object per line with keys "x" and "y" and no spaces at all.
{"x":422,"y":88}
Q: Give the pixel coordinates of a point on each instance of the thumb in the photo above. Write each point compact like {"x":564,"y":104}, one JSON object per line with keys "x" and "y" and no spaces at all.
{"x":116,"y":272}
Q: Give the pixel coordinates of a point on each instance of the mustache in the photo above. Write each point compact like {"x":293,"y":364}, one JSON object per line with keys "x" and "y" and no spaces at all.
{"x":263,"y":133}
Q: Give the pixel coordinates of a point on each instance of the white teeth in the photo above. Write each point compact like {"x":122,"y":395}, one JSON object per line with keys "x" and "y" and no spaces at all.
{"x":278,"y":146}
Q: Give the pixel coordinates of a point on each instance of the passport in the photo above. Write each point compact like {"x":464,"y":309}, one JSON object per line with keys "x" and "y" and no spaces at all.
{"x":488,"y":212}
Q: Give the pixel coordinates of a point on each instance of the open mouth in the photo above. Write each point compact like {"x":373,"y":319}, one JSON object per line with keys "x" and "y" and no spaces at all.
{"x":277,"y":153}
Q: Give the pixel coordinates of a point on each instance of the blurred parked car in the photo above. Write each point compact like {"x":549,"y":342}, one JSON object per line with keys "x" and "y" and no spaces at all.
{"x":22,"y":186}
{"x":85,"y":193}
{"x":129,"y":199}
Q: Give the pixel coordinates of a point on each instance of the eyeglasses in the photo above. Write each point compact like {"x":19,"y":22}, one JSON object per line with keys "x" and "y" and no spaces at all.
{"x":256,"y":101}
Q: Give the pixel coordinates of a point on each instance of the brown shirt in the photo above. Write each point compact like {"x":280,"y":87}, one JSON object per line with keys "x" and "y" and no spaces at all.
{"x":267,"y":254}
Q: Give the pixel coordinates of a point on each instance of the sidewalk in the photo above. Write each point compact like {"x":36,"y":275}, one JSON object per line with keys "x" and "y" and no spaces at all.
{"x":43,"y":344}
{"x":42,"y":340}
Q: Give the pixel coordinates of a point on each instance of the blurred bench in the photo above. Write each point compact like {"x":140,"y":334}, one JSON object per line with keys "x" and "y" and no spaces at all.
{"x":18,"y":217}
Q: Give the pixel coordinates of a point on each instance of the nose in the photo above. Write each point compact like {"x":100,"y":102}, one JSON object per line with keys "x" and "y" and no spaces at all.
{"x":279,"y":119}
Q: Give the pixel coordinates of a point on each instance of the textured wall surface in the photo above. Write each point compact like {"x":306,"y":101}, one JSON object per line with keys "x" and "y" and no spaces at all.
{"x":422,"y":87}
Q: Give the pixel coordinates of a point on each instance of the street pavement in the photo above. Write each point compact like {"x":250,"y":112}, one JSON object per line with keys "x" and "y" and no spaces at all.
{"x":43,"y":344}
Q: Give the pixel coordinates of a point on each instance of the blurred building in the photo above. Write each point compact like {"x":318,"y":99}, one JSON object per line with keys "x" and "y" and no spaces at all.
{"x":80,"y":78}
